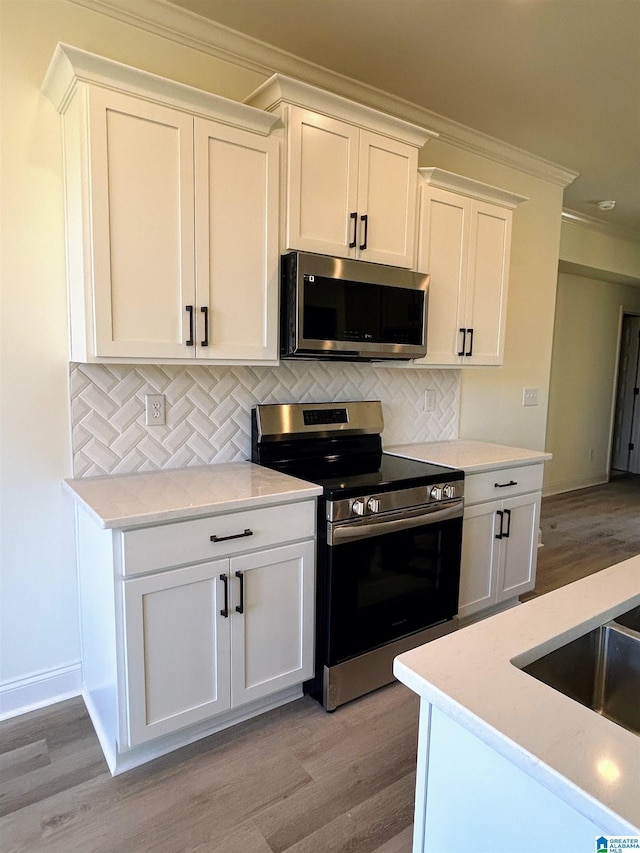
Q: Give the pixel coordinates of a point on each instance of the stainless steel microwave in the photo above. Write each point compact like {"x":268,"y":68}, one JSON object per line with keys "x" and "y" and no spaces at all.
{"x":351,"y":310}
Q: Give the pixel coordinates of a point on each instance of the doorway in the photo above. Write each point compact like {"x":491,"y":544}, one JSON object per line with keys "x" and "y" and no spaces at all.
{"x":625,"y":451}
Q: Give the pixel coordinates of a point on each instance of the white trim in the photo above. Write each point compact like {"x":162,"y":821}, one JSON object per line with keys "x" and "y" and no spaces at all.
{"x":570,"y":268}
{"x":70,"y":65}
{"x":187,"y":28}
{"x":573,"y":485}
{"x":39,"y":690}
{"x":282,"y":89}
{"x":467,"y":186}
{"x":575,"y":218}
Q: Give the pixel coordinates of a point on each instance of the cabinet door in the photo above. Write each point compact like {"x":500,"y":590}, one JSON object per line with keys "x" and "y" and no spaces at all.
{"x":272,"y":639}
{"x":141,"y":174}
{"x":322,"y":184}
{"x":176,"y":649}
{"x":480,"y":558}
{"x":488,"y":278}
{"x":442,"y":252}
{"x":237,"y":188}
{"x":387,"y":187}
{"x":520,"y":548}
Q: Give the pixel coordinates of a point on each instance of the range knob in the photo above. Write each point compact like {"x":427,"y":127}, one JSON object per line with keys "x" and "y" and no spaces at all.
{"x":436,"y":493}
{"x":373,"y":505}
{"x":449,"y":491}
{"x":357,"y":507}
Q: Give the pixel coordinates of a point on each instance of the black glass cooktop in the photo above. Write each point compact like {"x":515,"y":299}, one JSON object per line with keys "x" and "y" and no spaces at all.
{"x":358,"y":475}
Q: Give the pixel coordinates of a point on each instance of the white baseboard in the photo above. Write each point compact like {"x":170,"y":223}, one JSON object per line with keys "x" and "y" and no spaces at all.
{"x":39,"y":690}
{"x":561,"y":486}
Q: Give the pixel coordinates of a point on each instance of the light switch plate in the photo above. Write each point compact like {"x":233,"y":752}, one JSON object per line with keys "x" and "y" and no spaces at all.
{"x":529,"y":396}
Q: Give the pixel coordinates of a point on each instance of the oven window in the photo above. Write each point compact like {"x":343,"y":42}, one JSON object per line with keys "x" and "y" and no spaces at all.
{"x":338,"y":310}
{"x":386,"y":587}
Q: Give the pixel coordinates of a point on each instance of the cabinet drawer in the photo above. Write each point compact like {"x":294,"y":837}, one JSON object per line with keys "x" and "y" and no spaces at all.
{"x":503,"y":483}
{"x":152,"y":548}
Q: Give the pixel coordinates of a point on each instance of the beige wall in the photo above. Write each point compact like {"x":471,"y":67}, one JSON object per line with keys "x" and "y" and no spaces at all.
{"x":586,"y":344}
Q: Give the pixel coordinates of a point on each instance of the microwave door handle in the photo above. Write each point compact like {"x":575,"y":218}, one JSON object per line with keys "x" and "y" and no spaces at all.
{"x":354,"y":217}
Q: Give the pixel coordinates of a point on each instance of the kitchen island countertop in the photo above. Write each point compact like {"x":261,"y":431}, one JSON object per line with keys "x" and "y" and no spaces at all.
{"x":586,"y":760}
{"x":132,"y":500}
{"x":469,"y":455}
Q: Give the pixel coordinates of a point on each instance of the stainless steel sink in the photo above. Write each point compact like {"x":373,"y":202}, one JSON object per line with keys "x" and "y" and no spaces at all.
{"x":601,"y":670}
{"x":630,"y":619}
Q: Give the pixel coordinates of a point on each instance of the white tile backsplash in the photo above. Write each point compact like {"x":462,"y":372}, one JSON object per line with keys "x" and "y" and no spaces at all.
{"x":208,"y":408}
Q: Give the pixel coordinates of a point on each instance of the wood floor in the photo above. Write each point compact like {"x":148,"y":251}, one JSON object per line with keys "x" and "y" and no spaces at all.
{"x":296,"y":780}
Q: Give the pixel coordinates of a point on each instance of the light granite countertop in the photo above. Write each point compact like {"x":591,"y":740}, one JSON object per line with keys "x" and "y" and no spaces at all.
{"x":588,"y":761}
{"x":133,"y":500}
{"x":469,"y":455}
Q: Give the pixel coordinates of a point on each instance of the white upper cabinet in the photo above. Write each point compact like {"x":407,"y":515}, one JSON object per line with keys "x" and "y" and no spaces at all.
{"x":464,"y":243}
{"x":350,"y":172}
{"x":172,"y":217}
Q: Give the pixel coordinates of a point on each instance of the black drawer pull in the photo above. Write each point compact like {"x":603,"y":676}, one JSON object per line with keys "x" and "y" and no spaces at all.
{"x":189,"y":310}
{"x":240,"y":607}
{"x":205,"y":341}
{"x":365,"y":220}
{"x":215,"y":538}
{"x":354,"y":216}
{"x":225,"y":610}
{"x":469,"y":352}
{"x":504,"y":485}
{"x":462,"y":351}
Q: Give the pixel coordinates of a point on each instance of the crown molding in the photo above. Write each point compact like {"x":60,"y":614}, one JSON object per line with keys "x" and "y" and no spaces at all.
{"x":435,"y":177}
{"x":607,"y":228}
{"x":183,"y":27}
{"x":280,"y":89}
{"x":70,"y":65}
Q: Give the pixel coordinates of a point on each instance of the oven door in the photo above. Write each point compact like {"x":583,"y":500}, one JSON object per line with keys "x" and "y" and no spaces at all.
{"x":388,"y":577}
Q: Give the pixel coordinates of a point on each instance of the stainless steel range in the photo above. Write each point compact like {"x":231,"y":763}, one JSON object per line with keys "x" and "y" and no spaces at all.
{"x":389,"y":540}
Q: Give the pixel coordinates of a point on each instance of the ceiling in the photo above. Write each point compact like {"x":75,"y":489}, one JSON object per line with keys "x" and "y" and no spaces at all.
{"x":557,"y":78}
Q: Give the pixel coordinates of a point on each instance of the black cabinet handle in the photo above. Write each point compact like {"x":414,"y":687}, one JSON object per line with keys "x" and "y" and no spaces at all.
{"x":354,"y":216}
{"x":507,"y":513}
{"x":501,"y":514}
{"x":365,"y":219}
{"x":225,"y":610}
{"x":189,"y":310}
{"x":205,"y":342}
{"x":504,"y":485}
{"x":246,"y":532}
{"x":240,"y":607}
{"x":463,"y":332}
{"x":470,"y":350}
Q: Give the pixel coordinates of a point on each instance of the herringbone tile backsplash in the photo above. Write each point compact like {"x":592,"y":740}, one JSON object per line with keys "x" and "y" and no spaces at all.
{"x":208,"y":408}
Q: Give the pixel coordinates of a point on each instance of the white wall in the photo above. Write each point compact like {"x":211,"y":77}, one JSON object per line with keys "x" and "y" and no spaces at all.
{"x":586,"y":345}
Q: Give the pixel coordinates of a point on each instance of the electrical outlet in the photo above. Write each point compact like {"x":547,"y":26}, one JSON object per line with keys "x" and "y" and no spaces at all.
{"x":429,"y":400}
{"x":155,"y":409}
{"x":529,"y":396}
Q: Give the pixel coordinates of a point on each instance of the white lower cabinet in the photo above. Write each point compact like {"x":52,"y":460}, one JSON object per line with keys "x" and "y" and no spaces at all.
{"x":203,"y":639}
{"x":192,"y":626}
{"x":499,"y":538}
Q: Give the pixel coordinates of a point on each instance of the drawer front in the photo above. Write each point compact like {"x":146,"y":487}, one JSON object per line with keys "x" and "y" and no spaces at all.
{"x":504,"y":483}
{"x":151,"y":548}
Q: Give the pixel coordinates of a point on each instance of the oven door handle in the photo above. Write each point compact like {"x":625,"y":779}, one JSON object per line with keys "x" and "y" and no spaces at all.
{"x":352,"y":531}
